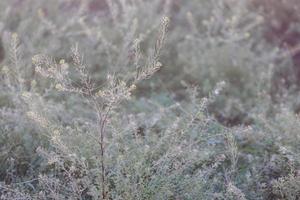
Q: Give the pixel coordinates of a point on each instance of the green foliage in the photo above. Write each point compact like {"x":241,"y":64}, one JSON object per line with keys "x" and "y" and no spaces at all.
{"x":161,"y":99}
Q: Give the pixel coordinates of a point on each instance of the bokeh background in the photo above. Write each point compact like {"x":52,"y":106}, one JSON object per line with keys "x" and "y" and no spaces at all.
{"x":251,"y":45}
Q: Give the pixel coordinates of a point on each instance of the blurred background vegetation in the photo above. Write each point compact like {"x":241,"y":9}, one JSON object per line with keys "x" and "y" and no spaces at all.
{"x":251,"y":45}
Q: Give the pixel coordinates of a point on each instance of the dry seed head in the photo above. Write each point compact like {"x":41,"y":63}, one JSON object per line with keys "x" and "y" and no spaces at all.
{"x":62,"y":61}
{"x":34,"y":59}
{"x":56,"y":132}
{"x":55,"y":136}
{"x":26,"y":95}
{"x":166,"y":20}
{"x":37,"y":59}
{"x":158,"y":65}
{"x":132,"y":87}
{"x":5,"y":69}
{"x":100,"y":93}
{"x":14,"y":36}
{"x":122,"y":83}
{"x":33,"y":83}
{"x":59,"y":87}
{"x":220,"y":86}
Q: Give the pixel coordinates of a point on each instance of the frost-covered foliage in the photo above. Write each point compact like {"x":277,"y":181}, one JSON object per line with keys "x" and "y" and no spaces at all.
{"x":145,"y":99}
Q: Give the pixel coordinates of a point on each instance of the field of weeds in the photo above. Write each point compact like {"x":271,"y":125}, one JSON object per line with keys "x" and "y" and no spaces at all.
{"x":149,"y":100}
